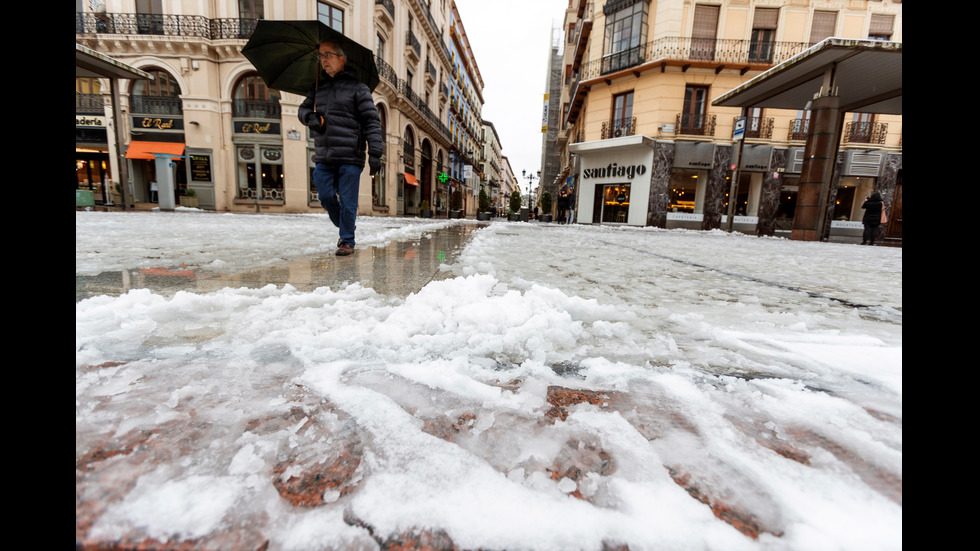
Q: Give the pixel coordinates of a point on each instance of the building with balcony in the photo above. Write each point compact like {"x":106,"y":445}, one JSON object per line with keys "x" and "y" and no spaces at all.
{"x":465,"y":115}
{"x":241,"y":147}
{"x":491,"y":171}
{"x":643,"y":144}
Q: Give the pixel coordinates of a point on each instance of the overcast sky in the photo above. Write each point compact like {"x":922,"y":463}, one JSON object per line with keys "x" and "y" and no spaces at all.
{"x":511,"y":40}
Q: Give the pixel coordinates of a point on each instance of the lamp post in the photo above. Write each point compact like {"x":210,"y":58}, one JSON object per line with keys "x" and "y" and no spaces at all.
{"x":530,"y":181}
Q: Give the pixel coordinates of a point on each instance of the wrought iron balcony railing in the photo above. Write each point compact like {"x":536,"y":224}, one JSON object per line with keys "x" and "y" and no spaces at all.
{"x":618,"y":128}
{"x":388,"y":5}
{"x":695,"y":124}
{"x":155,"y":105}
{"x":256,"y":108}
{"x":798,"y":129}
{"x":142,"y":23}
{"x":89,"y":103}
{"x":758,"y":127}
{"x":865,"y":132}
{"x":413,"y":43}
{"x":721,"y":51}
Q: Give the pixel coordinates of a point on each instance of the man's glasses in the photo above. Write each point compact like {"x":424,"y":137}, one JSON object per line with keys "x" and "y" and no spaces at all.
{"x":321,"y":55}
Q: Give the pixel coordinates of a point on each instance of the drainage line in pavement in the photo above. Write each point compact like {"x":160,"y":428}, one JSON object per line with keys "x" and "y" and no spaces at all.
{"x":811,"y":294}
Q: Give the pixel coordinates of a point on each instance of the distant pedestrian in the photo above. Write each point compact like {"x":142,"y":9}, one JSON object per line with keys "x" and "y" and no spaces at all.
{"x":340,"y":112}
{"x":562,"y":206}
{"x":873,"y":207}
{"x":570,"y":216}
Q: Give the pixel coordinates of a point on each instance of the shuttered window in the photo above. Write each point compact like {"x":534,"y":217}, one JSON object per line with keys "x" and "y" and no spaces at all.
{"x":705,"y":21}
{"x":765,"y":18}
{"x":824,"y":24}
{"x":881,"y":26}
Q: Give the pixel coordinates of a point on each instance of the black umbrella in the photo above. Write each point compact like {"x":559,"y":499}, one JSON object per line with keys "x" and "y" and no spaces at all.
{"x":284,"y":53}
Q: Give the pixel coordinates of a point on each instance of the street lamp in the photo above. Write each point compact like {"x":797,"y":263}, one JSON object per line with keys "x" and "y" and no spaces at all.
{"x":530,"y":179}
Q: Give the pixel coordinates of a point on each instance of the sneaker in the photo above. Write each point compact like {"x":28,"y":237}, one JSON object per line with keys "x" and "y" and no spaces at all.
{"x":344,"y":249}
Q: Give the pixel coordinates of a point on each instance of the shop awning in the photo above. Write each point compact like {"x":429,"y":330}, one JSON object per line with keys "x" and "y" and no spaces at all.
{"x":410,"y":180}
{"x":146,"y":150}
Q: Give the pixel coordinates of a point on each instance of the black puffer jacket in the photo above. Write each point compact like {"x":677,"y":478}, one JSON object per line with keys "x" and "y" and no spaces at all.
{"x":350,"y":118}
{"x":872,"y":209}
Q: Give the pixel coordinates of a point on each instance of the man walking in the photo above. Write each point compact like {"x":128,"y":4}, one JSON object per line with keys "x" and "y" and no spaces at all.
{"x":341,"y":113}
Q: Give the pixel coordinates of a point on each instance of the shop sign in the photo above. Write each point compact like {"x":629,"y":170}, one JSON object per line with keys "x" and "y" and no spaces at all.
{"x":246,"y":127}
{"x":158,"y":123}
{"x":756,"y":158}
{"x":613,"y":170}
{"x":200,"y":168}
{"x":694,"y":155}
{"x":96,"y":121}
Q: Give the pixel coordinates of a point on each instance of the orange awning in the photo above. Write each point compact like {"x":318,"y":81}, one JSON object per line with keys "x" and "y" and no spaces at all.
{"x":410,"y":180}
{"x":145,"y":150}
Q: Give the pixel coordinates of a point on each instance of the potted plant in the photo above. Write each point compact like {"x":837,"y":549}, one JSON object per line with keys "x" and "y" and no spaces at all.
{"x":189,"y":198}
{"x":456,"y":208}
{"x":545,"y":207}
{"x":426,"y":211}
{"x":484,"y":202}
{"x":513,"y":213}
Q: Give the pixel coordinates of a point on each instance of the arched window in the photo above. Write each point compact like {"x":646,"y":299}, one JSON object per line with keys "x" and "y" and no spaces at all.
{"x":158,"y":95}
{"x":254,"y":99}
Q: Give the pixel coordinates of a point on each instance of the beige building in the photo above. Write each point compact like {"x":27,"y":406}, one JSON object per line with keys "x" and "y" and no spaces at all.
{"x":639,"y":78}
{"x":237,"y":145}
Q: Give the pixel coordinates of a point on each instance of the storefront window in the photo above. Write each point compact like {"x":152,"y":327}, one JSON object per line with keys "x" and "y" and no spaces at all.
{"x":850,"y":197}
{"x":684,"y":191}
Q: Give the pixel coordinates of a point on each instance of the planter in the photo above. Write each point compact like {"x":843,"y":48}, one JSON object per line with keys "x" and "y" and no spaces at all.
{"x":514,"y":217}
{"x":484,"y":216}
{"x":426,"y":213}
{"x":545,"y":218}
{"x":455,"y":214}
{"x":188,"y":201}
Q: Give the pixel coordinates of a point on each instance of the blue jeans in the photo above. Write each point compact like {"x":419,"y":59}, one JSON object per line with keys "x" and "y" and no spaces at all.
{"x":338,"y":186}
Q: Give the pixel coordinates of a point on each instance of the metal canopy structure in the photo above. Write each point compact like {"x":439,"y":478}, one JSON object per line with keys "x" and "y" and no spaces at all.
{"x":866,"y":76}
{"x":92,"y":64}
{"x":834,"y":77}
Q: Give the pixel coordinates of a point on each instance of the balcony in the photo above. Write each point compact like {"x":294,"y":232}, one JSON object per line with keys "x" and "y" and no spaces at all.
{"x":155,"y":105}
{"x":389,"y":9}
{"x":798,"y":130}
{"x":865,"y":132}
{"x":618,"y":128}
{"x":758,"y":127}
{"x":688,"y":52}
{"x":412,"y":45}
{"x":430,"y":72}
{"x":692,"y":124}
{"x":256,"y":109}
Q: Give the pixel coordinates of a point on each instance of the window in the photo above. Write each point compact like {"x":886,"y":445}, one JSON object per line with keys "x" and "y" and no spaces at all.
{"x":379,"y":47}
{"x":622,"y":118}
{"x":705,"y":32}
{"x":824,"y":26}
{"x":254,"y":99}
{"x":800,"y":126}
{"x":881,"y":26}
{"x":158,"y":95}
{"x":625,"y":34}
{"x":695,"y":104}
{"x":763,"y":34}
{"x":330,"y":16}
{"x":149,"y":17}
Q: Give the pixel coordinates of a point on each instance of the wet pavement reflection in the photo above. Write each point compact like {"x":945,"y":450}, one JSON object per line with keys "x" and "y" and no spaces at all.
{"x":399,"y":269}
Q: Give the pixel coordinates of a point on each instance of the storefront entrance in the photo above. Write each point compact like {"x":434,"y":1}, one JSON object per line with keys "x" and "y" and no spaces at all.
{"x":612,"y":204}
